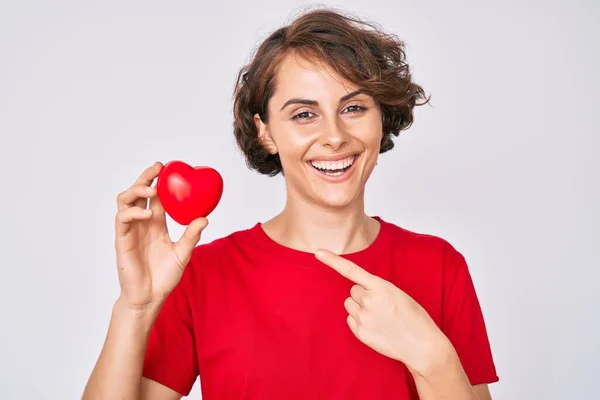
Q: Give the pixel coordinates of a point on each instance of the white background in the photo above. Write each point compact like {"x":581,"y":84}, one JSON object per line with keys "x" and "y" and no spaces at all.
{"x":501,"y":165}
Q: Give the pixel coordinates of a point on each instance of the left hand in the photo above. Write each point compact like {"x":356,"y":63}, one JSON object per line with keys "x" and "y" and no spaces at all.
{"x":387,"y":319}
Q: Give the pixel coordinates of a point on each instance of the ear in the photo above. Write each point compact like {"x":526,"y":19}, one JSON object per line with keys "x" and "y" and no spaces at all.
{"x":263,"y":135}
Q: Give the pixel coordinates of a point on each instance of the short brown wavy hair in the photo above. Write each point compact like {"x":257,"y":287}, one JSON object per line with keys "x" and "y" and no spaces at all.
{"x":357,"y":50}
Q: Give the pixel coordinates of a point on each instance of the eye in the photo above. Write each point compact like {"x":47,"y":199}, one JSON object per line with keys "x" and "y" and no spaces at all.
{"x":302,"y":115}
{"x":352,"y":109}
{"x":355,"y":109}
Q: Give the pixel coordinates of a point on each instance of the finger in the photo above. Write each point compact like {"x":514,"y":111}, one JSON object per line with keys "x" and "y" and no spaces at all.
{"x":189,"y":239}
{"x":147,"y":177}
{"x":347,"y":268}
{"x":124,"y":218}
{"x":156,"y":206}
{"x":352,"y":324}
{"x":358,"y":293}
{"x":131,"y":196}
{"x":353,"y":308}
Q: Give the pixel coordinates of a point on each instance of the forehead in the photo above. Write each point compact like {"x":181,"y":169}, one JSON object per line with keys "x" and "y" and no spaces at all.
{"x":297,"y":76}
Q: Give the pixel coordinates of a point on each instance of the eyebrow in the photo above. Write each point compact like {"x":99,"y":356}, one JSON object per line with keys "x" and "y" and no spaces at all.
{"x":315,"y":103}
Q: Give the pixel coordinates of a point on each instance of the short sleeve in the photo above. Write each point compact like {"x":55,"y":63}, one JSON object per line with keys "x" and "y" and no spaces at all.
{"x":463,"y":322}
{"x":170,"y":357}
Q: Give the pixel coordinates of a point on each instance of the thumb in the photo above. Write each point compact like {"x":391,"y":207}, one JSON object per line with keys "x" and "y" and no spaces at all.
{"x":190,"y":238}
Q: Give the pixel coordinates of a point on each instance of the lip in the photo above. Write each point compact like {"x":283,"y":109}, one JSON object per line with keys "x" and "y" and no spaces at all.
{"x":336,"y":179}
{"x":334,"y":157}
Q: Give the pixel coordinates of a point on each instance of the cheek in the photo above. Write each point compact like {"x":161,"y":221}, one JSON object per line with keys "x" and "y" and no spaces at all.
{"x":370,"y":130}
{"x":293,"y":145}
{"x":370,"y":138}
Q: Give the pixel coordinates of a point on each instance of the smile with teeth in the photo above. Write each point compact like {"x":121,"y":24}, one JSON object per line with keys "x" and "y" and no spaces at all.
{"x":334,"y":168}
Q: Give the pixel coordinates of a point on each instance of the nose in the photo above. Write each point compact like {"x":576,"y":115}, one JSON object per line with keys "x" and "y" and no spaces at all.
{"x":333,"y":135}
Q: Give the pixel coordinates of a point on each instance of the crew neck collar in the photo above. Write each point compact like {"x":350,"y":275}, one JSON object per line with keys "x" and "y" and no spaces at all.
{"x":274,"y":248}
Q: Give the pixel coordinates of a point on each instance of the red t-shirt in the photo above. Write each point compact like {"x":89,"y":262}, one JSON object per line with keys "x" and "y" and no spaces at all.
{"x":257,"y":320}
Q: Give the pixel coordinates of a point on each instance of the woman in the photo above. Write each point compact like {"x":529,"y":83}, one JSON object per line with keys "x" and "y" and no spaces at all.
{"x":273,"y":311}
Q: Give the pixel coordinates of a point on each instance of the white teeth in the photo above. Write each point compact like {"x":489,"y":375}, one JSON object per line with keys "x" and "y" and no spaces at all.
{"x":333,"y":165}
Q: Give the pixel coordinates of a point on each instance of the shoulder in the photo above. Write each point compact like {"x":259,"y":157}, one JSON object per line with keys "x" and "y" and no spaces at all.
{"x":426,"y":257}
{"x":431,"y":269}
{"x":419,"y":243}
{"x":209,"y":254}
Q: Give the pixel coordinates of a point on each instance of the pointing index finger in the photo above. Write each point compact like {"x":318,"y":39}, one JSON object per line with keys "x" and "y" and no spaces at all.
{"x":347,"y":268}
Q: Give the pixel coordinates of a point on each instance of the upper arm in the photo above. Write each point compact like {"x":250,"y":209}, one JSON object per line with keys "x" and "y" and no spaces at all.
{"x":155,"y":391}
{"x":462,"y":320}
{"x":482,"y":391}
{"x":170,"y":357}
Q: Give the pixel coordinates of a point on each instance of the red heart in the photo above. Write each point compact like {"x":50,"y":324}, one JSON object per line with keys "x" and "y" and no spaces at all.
{"x":187,"y":192}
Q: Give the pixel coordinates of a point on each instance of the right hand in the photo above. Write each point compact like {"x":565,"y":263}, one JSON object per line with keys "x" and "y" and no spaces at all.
{"x":150,"y":265}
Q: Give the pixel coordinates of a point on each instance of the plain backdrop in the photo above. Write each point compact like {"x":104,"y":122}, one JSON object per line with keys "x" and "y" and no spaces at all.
{"x":502,"y":164}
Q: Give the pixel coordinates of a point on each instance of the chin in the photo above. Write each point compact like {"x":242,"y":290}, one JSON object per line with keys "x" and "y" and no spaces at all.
{"x":337,"y":198}
{"x":336,"y":184}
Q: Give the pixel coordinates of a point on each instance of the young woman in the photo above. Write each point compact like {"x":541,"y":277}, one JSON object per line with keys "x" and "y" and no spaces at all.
{"x":322,"y":301}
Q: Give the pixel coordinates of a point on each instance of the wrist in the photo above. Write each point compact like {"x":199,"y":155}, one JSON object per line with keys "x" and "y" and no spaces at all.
{"x":437,"y":357}
{"x":137,"y":314}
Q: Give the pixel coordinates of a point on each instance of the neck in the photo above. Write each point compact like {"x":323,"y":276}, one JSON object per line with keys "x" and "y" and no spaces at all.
{"x":308,"y":227}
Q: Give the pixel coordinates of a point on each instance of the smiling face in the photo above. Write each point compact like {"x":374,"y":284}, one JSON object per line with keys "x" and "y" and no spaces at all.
{"x":326,"y":132}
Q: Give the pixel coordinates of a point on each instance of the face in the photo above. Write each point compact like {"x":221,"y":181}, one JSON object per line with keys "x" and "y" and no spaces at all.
{"x":326,"y":133}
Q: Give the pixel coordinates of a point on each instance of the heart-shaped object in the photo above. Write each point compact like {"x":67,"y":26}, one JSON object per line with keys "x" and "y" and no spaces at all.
{"x":187,"y":192}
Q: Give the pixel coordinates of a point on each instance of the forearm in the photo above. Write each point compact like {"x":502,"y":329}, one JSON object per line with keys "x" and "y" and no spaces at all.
{"x":443,"y":378}
{"x":118,"y":371}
